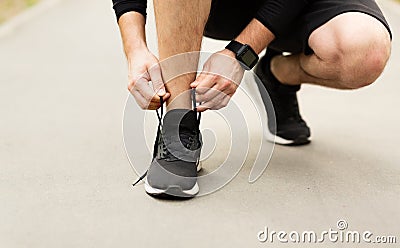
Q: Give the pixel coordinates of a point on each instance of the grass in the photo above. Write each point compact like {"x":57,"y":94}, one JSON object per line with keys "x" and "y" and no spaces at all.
{"x":10,"y":8}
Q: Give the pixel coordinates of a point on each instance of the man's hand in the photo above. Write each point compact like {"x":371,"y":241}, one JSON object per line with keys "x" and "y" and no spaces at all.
{"x":143,"y":65}
{"x":143,"y":69}
{"x":218,"y":81}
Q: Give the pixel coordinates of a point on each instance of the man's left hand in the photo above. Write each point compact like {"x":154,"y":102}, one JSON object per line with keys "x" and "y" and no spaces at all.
{"x":218,"y":81}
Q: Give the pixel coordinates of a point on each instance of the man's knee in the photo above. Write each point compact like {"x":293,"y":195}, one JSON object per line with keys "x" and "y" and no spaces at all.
{"x":358,"y":50}
{"x":364,"y":63}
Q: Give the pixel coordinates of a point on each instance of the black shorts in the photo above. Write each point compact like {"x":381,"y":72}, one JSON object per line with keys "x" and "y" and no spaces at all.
{"x":226,"y":20}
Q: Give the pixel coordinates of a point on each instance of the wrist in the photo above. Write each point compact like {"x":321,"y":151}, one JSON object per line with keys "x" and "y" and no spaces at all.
{"x":256,"y":35}
{"x":229,"y":53}
{"x":135,"y":48}
{"x":244,"y":53}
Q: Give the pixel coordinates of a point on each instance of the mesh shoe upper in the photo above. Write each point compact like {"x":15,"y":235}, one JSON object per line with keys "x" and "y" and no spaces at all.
{"x":177,"y":151}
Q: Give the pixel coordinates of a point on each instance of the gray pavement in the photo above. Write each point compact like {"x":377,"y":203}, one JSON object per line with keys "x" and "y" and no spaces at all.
{"x":65,"y":179}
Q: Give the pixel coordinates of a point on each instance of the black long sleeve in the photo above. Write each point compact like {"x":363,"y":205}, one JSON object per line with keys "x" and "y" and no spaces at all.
{"x":122,"y":6}
{"x":277,"y":15}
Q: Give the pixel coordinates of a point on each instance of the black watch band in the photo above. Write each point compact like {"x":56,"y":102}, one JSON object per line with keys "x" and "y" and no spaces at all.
{"x":234,"y":46}
{"x":244,"y":54}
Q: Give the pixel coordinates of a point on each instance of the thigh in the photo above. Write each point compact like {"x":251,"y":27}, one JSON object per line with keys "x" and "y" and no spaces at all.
{"x":350,"y":33}
{"x":317,"y":14}
{"x":229,"y":17}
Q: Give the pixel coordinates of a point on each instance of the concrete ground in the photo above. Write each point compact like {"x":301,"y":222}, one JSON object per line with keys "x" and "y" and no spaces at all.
{"x":65,"y":179}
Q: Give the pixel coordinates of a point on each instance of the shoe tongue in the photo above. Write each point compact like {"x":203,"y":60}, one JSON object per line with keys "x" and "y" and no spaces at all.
{"x":185,"y":118}
{"x":180,"y":134}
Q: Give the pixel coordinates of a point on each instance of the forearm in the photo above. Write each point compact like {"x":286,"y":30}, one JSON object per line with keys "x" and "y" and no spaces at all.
{"x":256,"y":35}
{"x":131,"y":25}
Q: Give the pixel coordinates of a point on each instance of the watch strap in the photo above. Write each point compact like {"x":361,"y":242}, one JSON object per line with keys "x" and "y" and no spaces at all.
{"x":234,"y":46}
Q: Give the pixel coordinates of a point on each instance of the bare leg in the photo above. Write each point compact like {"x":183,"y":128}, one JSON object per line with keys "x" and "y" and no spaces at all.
{"x":350,"y":51}
{"x":180,"y":26}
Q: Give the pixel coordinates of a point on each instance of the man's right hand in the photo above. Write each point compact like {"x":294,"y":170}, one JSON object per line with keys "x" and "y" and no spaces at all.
{"x":145,"y":79}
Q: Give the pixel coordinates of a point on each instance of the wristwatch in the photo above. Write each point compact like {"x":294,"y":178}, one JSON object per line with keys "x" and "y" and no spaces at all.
{"x":244,"y":54}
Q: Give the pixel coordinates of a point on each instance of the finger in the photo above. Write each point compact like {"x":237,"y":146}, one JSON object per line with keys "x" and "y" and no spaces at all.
{"x":140,"y":100}
{"x":205,"y":79}
{"x":143,"y":87}
{"x":221,"y":103}
{"x":204,"y":73}
{"x":213,"y":103}
{"x":202,"y":108}
{"x":142,"y":92}
{"x":155,"y":103}
{"x":166,"y":96}
{"x":229,"y":87}
{"x":225,"y":87}
{"x":151,"y":96}
{"x":199,"y":78}
{"x":222,"y":85}
{"x":144,"y":103}
{"x":210,"y":94}
{"x":225,"y":101}
{"x":133,"y":86}
{"x":206,"y":83}
{"x":138,"y":79}
{"x":156,"y":78}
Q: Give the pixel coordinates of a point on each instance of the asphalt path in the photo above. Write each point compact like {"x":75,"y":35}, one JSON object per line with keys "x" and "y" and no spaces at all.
{"x":65,"y":180}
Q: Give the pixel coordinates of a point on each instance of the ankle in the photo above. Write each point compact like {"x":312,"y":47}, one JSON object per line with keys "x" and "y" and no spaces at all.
{"x":174,"y":106}
{"x":182,"y":101}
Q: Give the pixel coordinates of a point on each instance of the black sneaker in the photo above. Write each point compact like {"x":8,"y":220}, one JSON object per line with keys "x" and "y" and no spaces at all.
{"x":173,"y":170}
{"x":290,"y":128}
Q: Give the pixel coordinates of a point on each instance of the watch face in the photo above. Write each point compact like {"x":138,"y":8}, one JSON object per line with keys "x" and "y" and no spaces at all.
{"x":247,"y":57}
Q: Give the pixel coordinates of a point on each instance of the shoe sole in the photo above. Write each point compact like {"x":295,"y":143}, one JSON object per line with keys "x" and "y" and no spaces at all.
{"x":301,"y":140}
{"x":173,"y":191}
{"x":199,"y":166}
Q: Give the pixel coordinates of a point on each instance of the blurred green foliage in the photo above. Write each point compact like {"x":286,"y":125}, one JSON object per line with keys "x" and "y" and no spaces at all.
{"x":10,"y":8}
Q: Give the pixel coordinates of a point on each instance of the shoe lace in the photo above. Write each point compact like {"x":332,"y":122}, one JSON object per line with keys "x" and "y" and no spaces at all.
{"x":188,"y":139}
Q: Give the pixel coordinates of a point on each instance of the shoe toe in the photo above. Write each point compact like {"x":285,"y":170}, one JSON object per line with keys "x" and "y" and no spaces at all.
{"x":294,"y":135}
{"x":164,"y":177}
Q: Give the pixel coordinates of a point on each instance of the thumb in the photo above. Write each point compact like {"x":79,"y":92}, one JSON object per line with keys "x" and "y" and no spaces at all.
{"x":203,"y":75}
{"x":156,"y":79}
{"x":199,"y":79}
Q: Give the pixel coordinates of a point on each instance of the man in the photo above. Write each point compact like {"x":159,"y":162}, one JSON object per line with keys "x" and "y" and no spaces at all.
{"x":342,"y":44}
